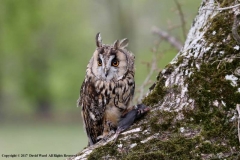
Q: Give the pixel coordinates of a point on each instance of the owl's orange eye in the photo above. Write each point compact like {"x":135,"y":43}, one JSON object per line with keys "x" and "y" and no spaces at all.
{"x":99,"y":62}
{"x":115,"y":62}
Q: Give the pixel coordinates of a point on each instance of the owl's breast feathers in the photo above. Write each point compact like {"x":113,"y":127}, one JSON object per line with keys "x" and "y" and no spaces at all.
{"x":97,"y":96}
{"x":103,"y":93}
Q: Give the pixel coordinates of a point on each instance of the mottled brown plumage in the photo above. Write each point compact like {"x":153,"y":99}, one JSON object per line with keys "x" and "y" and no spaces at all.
{"x":108,"y":88}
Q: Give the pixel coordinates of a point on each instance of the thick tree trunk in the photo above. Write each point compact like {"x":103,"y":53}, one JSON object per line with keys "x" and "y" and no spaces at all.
{"x":193,"y":100}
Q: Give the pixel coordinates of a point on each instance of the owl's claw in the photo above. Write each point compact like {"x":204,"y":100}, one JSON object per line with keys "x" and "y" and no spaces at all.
{"x":106,"y":137}
{"x":99,"y":138}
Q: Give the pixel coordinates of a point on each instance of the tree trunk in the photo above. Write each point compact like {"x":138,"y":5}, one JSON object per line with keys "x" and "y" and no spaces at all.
{"x":194,"y":99}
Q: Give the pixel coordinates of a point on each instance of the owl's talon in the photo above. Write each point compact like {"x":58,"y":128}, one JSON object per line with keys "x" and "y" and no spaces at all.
{"x":102,"y":139}
{"x":111,"y":132}
{"x":99,"y":138}
{"x":105,"y":138}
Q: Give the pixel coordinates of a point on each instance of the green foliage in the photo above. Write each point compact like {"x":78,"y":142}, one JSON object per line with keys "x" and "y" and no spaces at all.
{"x":46,"y":45}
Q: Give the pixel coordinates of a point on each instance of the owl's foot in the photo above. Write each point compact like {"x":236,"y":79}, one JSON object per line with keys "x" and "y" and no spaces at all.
{"x":99,"y":138}
{"x":105,"y":137}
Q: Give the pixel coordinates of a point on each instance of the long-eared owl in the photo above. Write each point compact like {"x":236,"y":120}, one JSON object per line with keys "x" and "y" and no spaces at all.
{"x":108,"y":88}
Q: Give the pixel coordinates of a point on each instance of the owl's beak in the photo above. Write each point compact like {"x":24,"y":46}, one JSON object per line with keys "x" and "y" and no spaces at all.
{"x":106,"y":71}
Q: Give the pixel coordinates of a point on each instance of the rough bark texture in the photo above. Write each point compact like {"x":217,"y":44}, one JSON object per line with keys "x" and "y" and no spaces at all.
{"x":193,"y":100}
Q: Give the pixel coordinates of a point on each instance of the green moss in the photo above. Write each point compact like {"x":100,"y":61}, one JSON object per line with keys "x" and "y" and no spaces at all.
{"x":146,"y":156}
{"x":208,"y":85}
{"x":104,"y":151}
{"x":220,"y":33}
{"x":180,"y":60}
{"x":226,"y":3}
{"x":169,"y":68}
{"x":208,"y":147}
{"x":169,"y":149}
{"x":157,"y":93}
{"x":162,"y":121}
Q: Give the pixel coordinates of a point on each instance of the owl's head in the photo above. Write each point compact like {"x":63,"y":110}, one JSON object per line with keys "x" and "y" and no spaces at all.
{"x":111,"y":62}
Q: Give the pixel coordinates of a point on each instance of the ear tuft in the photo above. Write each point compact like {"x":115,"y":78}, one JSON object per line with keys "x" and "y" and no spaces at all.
{"x":123,"y":43}
{"x":116,"y":44}
{"x":98,"y":40}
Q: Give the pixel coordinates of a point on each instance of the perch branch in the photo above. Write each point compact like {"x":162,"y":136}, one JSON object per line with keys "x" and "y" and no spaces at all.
{"x":167,"y":37}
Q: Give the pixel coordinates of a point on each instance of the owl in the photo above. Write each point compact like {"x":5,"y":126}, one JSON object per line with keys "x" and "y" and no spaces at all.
{"x":108,"y":88}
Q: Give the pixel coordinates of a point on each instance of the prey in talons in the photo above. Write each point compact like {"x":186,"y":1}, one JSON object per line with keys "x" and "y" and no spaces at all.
{"x":128,"y":119}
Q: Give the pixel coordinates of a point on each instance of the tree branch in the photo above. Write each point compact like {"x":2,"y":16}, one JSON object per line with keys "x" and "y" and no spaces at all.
{"x":141,"y":88}
{"x":183,"y":23}
{"x":222,"y":9}
{"x":167,"y":37}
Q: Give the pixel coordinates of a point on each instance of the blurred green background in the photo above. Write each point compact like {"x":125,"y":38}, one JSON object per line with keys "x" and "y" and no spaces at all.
{"x":45,"y":46}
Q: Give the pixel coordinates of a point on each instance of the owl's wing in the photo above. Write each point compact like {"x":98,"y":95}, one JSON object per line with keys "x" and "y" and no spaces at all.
{"x":129,"y":88}
{"x":92,"y":111}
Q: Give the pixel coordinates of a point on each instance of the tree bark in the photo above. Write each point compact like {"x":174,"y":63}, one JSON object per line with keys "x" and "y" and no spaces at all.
{"x":194,"y":99}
